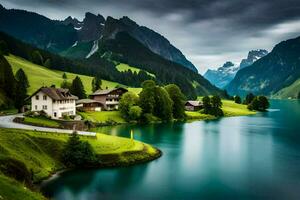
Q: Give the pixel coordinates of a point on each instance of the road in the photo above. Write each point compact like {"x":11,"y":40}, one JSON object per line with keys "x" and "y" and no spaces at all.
{"x":7,"y":122}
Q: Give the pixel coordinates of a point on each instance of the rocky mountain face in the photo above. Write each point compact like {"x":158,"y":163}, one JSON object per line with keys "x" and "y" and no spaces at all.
{"x":223,"y":75}
{"x":107,"y":29}
{"x":62,"y":36}
{"x":252,"y":57}
{"x":89,"y":29}
{"x":266,"y":76}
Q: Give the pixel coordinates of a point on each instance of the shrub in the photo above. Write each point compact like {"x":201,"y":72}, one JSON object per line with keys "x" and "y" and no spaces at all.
{"x":259,"y":103}
{"x":78,"y":153}
{"x":135,"y":113}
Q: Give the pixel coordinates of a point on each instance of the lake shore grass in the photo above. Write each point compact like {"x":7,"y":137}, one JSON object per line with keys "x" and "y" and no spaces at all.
{"x":38,"y":157}
{"x":230,"y":109}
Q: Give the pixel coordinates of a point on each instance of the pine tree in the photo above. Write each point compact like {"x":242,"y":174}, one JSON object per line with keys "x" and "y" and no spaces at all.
{"x":96,"y":84}
{"x":21,"y":89}
{"x":8,"y":82}
{"x":77,"y":88}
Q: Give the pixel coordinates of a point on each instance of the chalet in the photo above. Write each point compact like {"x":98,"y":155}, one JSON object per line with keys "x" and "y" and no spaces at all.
{"x":193,"y":105}
{"x":56,"y":102}
{"x":109,"y":97}
{"x":89,"y":105}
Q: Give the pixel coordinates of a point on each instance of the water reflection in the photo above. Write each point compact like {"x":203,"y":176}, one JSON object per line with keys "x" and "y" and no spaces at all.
{"x":251,"y":157}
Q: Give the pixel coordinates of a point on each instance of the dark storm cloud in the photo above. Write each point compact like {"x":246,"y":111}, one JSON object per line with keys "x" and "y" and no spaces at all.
{"x":209,"y":32}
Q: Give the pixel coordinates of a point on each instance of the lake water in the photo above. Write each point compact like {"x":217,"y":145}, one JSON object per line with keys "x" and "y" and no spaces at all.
{"x":249,"y":157}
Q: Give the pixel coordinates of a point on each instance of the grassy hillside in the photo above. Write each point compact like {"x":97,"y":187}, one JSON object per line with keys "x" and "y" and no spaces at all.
{"x":290,"y":92}
{"x":39,"y":75}
{"x":38,"y":154}
{"x":122,"y":67}
{"x":103,"y":116}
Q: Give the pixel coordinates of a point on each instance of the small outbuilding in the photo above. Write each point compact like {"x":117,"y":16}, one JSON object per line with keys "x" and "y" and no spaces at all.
{"x":193,"y":105}
{"x":89,"y":105}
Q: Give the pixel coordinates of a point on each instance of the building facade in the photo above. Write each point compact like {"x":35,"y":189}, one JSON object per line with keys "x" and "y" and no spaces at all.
{"x":56,"y":102}
{"x":109,"y":97}
{"x":193,"y":105}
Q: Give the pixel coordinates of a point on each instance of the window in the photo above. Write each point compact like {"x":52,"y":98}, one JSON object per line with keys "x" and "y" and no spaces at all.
{"x":55,"y":114}
{"x":35,"y":107}
{"x":37,"y":97}
{"x":44,"y":107}
{"x":44,"y":97}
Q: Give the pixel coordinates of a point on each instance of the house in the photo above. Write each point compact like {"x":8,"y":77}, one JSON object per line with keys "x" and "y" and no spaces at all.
{"x":56,"y":102}
{"x":89,"y":105}
{"x":193,"y":105}
{"x":109,"y":97}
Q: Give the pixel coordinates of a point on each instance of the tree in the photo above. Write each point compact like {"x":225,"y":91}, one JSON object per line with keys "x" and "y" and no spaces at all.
{"x":65,"y":84}
{"x":77,"y":88}
{"x":249,"y":98}
{"x":206,"y":104}
{"x":146,"y":100}
{"x":259,"y":103}
{"x":178,"y":99}
{"x":216,"y":102}
{"x":212,"y":106}
{"x":135,"y":112}
{"x":237,"y":99}
{"x":128,"y":100}
{"x":163,"y":104}
{"x":7,"y":79}
{"x":22,"y":85}
{"x":64,"y":76}
{"x":77,"y":153}
{"x":96,"y":84}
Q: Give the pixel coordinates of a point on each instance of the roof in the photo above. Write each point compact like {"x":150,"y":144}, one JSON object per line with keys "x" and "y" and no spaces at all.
{"x":194,"y":103}
{"x":84,"y":101}
{"x":107,"y":91}
{"x":56,"y":93}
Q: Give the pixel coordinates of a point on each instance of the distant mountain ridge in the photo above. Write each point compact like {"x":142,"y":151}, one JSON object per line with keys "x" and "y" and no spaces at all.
{"x":279,"y":69}
{"x":61,"y":36}
{"x":107,"y":29}
{"x":223,"y":75}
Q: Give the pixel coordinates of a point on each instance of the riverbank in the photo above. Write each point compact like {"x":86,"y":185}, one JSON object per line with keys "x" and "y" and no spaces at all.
{"x":28,"y":157}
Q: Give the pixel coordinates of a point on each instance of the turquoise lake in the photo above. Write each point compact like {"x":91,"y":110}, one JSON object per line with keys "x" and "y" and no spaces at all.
{"x":248,"y":157}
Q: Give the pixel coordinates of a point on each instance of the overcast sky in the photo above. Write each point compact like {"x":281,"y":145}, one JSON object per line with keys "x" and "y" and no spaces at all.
{"x":208,"y":32}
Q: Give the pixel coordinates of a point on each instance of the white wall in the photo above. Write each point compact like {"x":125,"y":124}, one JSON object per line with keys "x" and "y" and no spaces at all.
{"x":41,"y":102}
{"x":66,"y":107}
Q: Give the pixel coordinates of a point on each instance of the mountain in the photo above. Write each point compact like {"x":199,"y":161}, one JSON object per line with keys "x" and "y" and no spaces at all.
{"x":37,"y":30}
{"x":62,"y":36}
{"x":89,"y":29}
{"x":223,"y":75}
{"x":290,"y":92}
{"x":252,"y":57}
{"x":266,"y":76}
{"x":98,"y":28}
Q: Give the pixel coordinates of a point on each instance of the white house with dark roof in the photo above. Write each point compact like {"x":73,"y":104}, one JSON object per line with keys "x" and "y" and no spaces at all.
{"x":56,"y":102}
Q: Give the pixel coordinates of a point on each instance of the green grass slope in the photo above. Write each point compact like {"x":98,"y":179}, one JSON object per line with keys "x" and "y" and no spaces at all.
{"x":39,"y":76}
{"x":39,"y":154}
{"x":122,"y":67}
{"x":290,"y":92}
